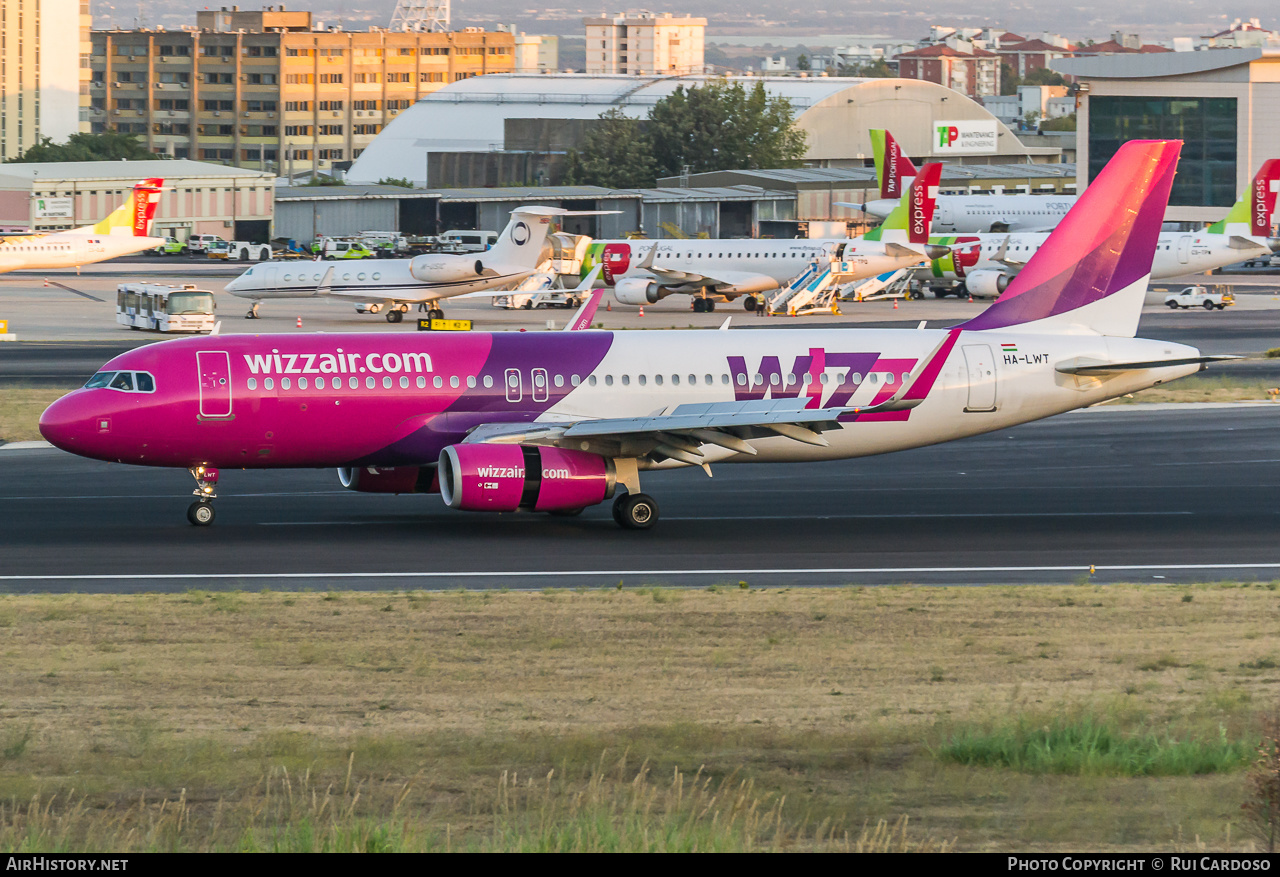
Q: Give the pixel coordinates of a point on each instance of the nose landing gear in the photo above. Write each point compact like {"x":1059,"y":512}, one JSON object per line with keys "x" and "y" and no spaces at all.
{"x":253,"y":311}
{"x":200,"y":513}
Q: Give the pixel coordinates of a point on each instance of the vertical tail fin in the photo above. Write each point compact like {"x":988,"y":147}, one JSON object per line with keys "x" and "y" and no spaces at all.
{"x":913,"y":217}
{"x":134,"y":216}
{"x":893,"y":169}
{"x":1091,"y":273}
{"x":1254,"y":212}
{"x":520,"y":244}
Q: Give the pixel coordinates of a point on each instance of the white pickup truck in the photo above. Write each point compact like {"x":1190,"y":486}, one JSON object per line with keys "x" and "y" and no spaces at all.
{"x":1199,"y":297}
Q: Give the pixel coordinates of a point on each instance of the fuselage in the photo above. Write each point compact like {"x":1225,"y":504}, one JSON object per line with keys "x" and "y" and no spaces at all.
{"x":364,"y":280}
{"x":1177,"y":253}
{"x":68,"y":249}
{"x":397,"y":400}
{"x":978,"y":213}
{"x":780,"y":260}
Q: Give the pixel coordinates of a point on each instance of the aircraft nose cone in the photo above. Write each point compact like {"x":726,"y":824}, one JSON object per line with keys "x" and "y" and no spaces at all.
{"x":68,"y":423}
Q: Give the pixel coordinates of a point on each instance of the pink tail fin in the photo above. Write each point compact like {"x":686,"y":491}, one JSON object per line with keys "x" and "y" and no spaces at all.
{"x":1265,"y":185}
{"x":146,"y":198}
{"x":1103,"y":246}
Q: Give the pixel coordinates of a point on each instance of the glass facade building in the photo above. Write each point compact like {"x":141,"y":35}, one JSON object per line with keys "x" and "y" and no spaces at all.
{"x":1207,"y":126}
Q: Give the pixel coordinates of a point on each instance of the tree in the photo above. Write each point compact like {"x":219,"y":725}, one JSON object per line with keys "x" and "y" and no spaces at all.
{"x":108,"y":146}
{"x":1061,"y":123}
{"x":614,"y":153}
{"x":802,"y":63}
{"x":1009,"y":80}
{"x":402,"y":182}
{"x":1043,"y":76}
{"x":876,"y":69}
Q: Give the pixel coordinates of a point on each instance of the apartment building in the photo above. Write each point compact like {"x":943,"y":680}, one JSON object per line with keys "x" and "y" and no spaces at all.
{"x":271,"y":90}
{"x":42,"y":43}
{"x":645,"y":44}
{"x":957,"y":64}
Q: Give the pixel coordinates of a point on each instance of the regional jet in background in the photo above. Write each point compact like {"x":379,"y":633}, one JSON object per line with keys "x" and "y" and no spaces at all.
{"x":397,"y":283}
{"x":961,"y":213}
{"x":557,"y":421}
{"x":987,"y":262}
{"x":125,"y":231}
{"x":644,"y":272}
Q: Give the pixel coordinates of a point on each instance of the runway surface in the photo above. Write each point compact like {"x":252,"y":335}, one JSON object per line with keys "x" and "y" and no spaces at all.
{"x":1184,"y":493}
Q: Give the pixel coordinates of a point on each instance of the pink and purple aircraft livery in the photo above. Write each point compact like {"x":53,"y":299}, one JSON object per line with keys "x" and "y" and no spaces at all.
{"x":559,"y":421}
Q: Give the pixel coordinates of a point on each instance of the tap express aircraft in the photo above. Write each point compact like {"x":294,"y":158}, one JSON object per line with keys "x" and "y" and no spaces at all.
{"x":558,"y":421}
{"x":960,"y":213}
{"x":397,"y":283}
{"x":124,"y":231}
{"x":643,"y":272}
{"x":987,"y":262}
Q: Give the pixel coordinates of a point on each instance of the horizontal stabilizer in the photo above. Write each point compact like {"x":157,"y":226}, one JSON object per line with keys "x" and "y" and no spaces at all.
{"x":1106,"y":368}
{"x":1236,"y":242}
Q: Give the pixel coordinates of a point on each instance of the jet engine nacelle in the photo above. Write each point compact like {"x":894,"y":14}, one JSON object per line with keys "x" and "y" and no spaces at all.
{"x":636,"y":291}
{"x":986,"y":283}
{"x":506,"y":478}
{"x":400,"y":479}
{"x":445,"y":269}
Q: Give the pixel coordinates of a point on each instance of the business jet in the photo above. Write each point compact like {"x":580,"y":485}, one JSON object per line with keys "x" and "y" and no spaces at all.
{"x":397,"y":283}
{"x":987,"y":262}
{"x":960,"y":213}
{"x":644,"y":272}
{"x":557,"y":422}
{"x":124,"y":231}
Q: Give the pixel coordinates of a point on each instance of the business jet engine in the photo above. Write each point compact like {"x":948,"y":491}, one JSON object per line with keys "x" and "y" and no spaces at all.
{"x":447,"y":269}
{"x":506,"y":478}
{"x":986,"y":283}
{"x":636,"y":291}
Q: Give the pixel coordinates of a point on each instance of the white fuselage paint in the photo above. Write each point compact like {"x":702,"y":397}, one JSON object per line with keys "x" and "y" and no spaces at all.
{"x":1177,"y":253}
{"x":360,"y":280}
{"x":68,"y":249}
{"x":969,"y":214}
{"x":1010,"y":385}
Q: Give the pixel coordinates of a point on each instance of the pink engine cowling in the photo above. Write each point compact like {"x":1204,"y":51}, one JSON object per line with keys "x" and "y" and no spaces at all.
{"x":506,"y":478}
{"x":401,"y":479}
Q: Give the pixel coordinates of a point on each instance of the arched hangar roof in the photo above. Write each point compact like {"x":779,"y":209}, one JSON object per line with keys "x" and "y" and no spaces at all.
{"x":470,"y":115}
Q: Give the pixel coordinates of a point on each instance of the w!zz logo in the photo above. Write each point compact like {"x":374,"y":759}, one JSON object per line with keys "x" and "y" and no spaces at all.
{"x":854,"y":371}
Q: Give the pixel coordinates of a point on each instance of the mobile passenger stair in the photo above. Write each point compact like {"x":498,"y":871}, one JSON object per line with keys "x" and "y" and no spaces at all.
{"x":821,"y":288}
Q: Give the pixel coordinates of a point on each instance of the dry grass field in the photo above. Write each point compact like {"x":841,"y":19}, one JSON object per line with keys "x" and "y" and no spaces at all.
{"x":730,"y":718}
{"x":20,"y":409}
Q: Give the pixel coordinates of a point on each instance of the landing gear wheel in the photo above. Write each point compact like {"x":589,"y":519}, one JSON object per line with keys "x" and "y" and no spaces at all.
{"x":709,"y":305}
{"x":699,"y":305}
{"x":395,"y":315}
{"x":200,"y":513}
{"x":253,"y":312}
{"x":749,"y":303}
{"x":435,"y":314}
{"x":403,"y":307}
{"x":635,"y":511}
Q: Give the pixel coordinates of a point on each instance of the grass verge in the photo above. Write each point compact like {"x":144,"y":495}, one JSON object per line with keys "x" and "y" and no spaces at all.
{"x":20,"y":410}
{"x":1203,"y":388}
{"x":805,"y":719}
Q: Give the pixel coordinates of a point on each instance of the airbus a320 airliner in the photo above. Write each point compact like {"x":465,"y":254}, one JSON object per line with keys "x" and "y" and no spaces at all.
{"x":558,"y":421}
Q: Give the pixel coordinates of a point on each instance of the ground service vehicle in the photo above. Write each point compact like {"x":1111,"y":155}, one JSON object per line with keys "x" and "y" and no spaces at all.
{"x":335,"y":250}
{"x":165,"y":308}
{"x":465,"y":241}
{"x":239,"y":251}
{"x":170,"y":247}
{"x":199,"y":243}
{"x":1199,"y":297}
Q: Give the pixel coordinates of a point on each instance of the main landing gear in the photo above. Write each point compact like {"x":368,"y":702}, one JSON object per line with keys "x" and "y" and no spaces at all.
{"x":396,"y":312}
{"x":703,"y":305}
{"x":635,"y":511}
{"x":200,"y":513}
{"x":253,"y":311}
{"x":432,"y":311}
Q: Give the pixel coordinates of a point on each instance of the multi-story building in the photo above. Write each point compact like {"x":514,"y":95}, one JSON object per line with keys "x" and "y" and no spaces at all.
{"x":957,"y":64}
{"x":645,"y":44}
{"x":270,"y":90}
{"x":40,"y":71}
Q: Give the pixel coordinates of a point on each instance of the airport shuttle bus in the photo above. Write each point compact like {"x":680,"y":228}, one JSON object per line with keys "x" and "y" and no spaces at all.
{"x":164,"y":308}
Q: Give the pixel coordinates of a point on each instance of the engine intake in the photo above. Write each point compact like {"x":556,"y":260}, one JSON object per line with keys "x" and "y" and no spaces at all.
{"x":444,"y":268}
{"x":636,"y":291}
{"x":986,"y":283}
{"x":399,"y":479}
{"x":507,"y":478}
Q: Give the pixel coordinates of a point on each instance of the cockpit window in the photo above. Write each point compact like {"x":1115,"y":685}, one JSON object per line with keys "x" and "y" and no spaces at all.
{"x":101,"y":379}
{"x":127,"y":382}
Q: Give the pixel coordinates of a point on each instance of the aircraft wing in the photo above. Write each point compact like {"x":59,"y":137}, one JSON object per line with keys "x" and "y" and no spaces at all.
{"x":681,"y":431}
